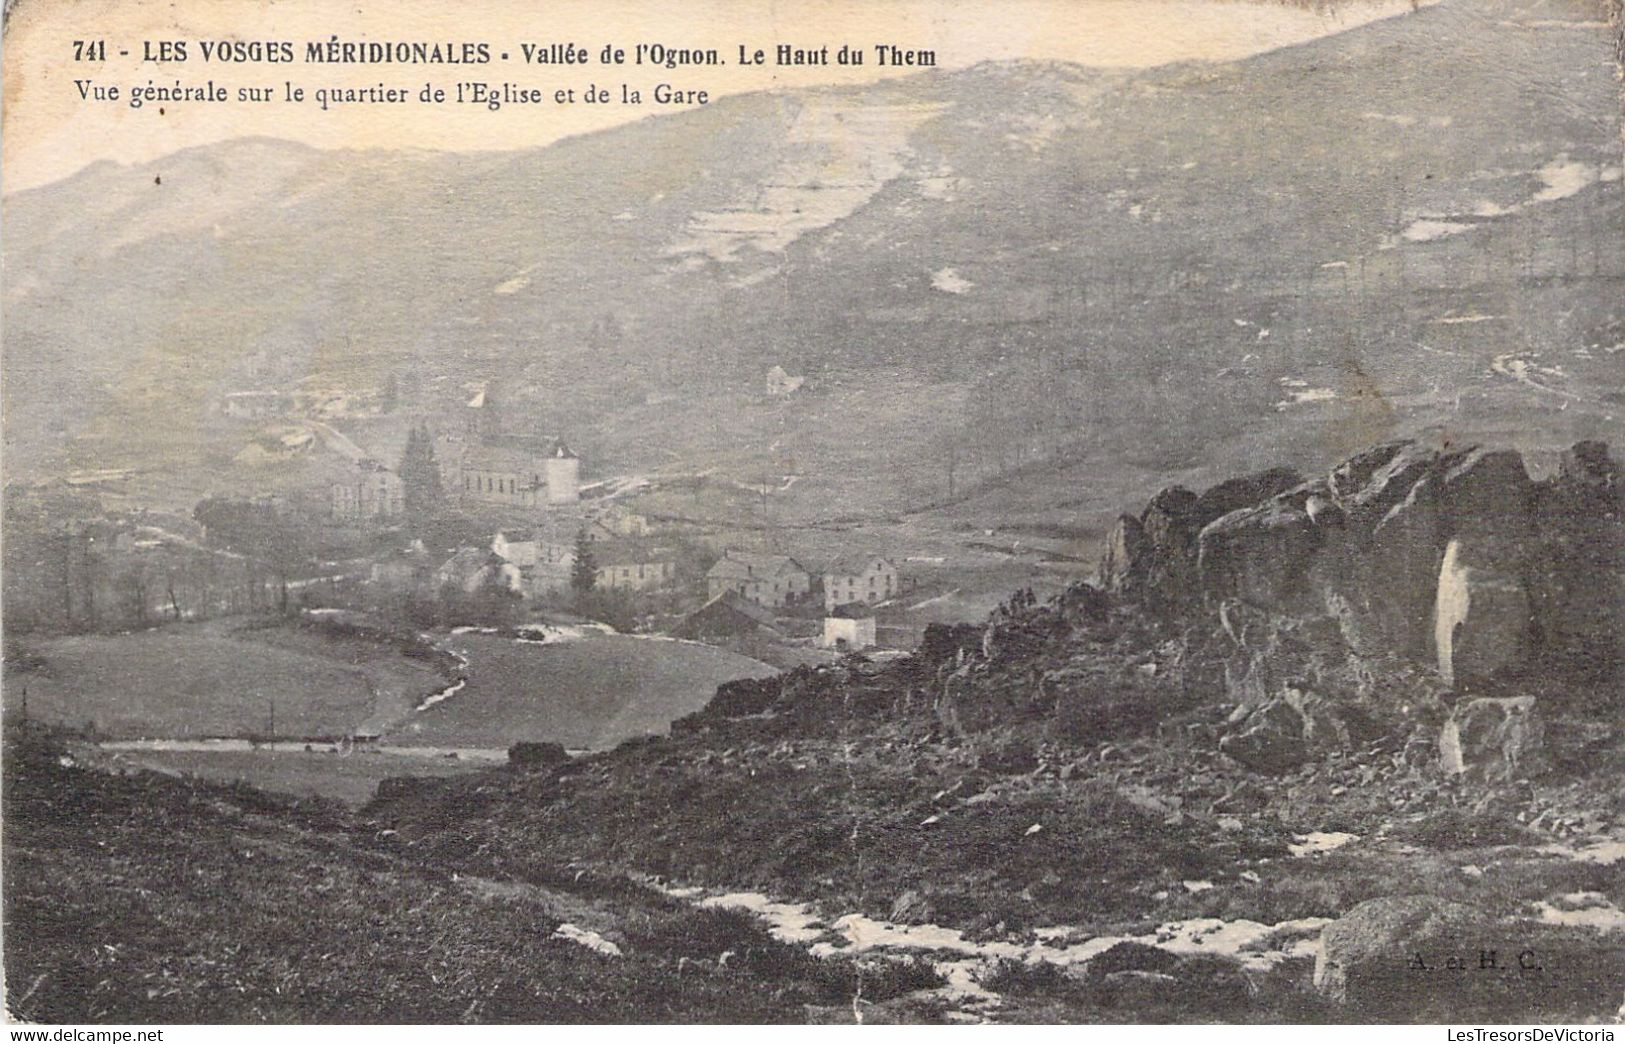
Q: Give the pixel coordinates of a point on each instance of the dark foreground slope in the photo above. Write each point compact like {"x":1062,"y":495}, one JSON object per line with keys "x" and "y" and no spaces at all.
{"x":147,"y":899}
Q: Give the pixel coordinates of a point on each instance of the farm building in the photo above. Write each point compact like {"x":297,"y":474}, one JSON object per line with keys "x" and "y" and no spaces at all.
{"x":368,"y":491}
{"x":728,"y":615}
{"x":863,"y":579}
{"x":630,"y":565}
{"x":850,"y":627}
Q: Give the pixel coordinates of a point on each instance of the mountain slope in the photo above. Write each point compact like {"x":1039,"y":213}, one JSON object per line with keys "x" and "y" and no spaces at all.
{"x":1306,"y":249}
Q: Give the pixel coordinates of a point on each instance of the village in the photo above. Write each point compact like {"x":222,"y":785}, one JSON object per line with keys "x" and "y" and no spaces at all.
{"x":483,"y":520}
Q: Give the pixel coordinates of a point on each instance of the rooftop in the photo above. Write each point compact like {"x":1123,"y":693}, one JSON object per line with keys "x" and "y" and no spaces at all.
{"x":746,"y":565}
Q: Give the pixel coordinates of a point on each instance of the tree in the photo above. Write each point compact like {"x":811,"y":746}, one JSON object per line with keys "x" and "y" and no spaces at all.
{"x":420,"y":474}
{"x":584,"y":570}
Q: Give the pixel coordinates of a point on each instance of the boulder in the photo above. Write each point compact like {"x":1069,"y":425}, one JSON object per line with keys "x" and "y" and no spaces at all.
{"x":530,"y":755}
{"x":1261,"y":555}
{"x":1482,"y":612}
{"x":1383,"y":591}
{"x":1488,"y":492}
{"x":1386,"y":484}
{"x":1170,"y":524}
{"x":1169,"y":519}
{"x":1376,"y":956}
{"x":1494,"y":739}
{"x":1269,"y":740}
{"x":1354,"y":474}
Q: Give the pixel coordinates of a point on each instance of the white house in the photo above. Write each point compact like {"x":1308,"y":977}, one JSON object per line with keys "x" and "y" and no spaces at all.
{"x":868,"y":579}
{"x":849,"y":627}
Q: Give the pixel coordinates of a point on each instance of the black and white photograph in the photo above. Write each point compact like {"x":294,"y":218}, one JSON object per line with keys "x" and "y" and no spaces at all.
{"x":749,"y":512}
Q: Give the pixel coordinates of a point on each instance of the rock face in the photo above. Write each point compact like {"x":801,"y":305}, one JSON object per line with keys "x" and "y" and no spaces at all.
{"x":1237,"y":493}
{"x":1494,"y":739}
{"x":1579,"y":569}
{"x":1168,"y":565}
{"x":1481,"y":614}
{"x":1123,"y":567}
{"x":1441,"y":555}
{"x":1282,"y":733}
{"x":1261,"y":555}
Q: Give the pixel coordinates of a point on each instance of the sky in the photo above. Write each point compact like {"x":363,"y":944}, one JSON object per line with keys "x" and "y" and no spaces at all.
{"x":48,"y":132}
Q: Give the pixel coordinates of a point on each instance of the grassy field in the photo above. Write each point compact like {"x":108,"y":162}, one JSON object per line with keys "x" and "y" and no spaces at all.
{"x":213,"y":679}
{"x":351,"y":779}
{"x":588,"y":693}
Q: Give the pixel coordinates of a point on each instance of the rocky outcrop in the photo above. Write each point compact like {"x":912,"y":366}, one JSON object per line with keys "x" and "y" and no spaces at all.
{"x":1578,"y":573}
{"x":1168,"y":563}
{"x":1443,"y":555}
{"x":1237,"y":493}
{"x":1494,"y":739}
{"x":1261,"y":555}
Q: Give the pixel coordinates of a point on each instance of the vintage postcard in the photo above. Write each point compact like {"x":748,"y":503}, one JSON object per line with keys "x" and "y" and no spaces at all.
{"x":750,"y":511}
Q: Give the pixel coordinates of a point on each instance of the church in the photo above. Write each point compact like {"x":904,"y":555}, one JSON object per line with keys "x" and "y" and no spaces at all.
{"x":514,"y":469}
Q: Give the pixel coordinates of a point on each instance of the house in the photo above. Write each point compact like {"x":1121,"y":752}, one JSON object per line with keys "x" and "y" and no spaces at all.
{"x":474,"y":568}
{"x":548,"y":564}
{"x":770,"y":580}
{"x":781,"y":384}
{"x":254,"y":405}
{"x":621,"y":522}
{"x":626,"y":565}
{"x":402,"y":569}
{"x":850,"y":627}
{"x":369,"y":491}
{"x":520,"y":546}
{"x":728,"y":615}
{"x":870,"y":578}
